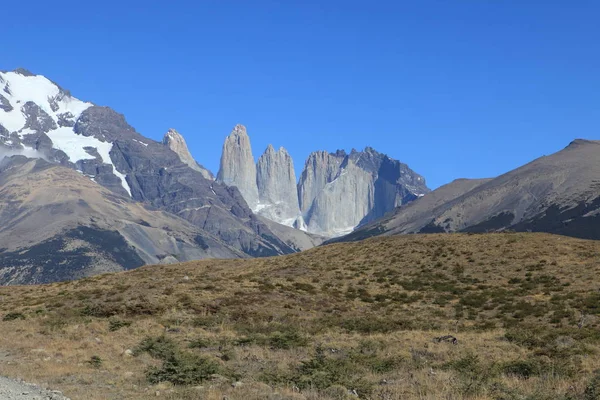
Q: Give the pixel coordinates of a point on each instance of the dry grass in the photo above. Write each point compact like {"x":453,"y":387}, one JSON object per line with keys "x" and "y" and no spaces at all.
{"x":316,"y":325}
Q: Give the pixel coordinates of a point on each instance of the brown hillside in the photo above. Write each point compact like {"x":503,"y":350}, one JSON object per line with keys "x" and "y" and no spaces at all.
{"x":322,"y":323}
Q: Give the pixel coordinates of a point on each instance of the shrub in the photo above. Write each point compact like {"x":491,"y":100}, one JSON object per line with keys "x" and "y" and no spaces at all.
{"x":200,"y":343}
{"x":287,"y":340}
{"x":370,"y":324}
{"x":321,"y":373}
{"x":160,"y":347}
{"x":13,"y":316}
{"x":183,"y":369}
{"x":178,"y":367}
{"x":116,"y":324}
{"x":95,"y":361}
{"x":592,"y":390}
{"x":521,"y":368}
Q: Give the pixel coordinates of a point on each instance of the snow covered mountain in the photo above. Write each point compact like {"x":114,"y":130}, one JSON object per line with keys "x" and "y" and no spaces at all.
{"x":38,"y":117}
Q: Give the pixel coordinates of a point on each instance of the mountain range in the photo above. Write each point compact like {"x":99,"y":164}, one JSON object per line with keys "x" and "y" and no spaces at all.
{"x":559,"y":194}
{"x":336,"y":192}
{"x":82,"y":192}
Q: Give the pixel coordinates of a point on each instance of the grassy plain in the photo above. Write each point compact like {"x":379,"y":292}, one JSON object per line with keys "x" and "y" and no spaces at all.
{"x":335,"y":322}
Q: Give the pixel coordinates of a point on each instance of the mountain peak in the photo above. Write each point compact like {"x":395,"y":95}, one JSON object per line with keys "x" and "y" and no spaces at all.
{"x":237,"y":166}
{"x":276,"y":181}
{"x":175,"y":141}
{"x":24,"y":72}
{"x":582,"y":142}
{"x":239,"y":130}
{"x":171,"y":135}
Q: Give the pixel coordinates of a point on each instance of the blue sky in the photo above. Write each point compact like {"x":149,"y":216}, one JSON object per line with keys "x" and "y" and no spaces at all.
{"x":465,"y":88}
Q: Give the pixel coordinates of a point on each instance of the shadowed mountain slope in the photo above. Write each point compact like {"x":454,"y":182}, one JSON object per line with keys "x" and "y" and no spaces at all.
{"x":558,"y":194}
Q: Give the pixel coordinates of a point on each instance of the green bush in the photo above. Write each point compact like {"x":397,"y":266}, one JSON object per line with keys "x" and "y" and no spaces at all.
{"x":13,"y":316}
{"x":321,"y":372}
{"x":95,"y":361}
{"x":116,"y":324}
{"x":287,"y":340}
{"x":183,"y":369}
{"x":200,"y":343}
{"x":592,"y":390}
{"x":178,"y":367}
{"x":160,"y":347}
{"x":522,"y":368}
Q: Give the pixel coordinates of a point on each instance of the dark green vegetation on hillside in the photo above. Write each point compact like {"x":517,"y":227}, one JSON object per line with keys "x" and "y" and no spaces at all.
{"x":320,"y":324}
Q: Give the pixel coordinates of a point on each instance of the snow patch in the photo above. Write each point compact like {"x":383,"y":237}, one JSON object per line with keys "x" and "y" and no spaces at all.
{"x":140,"y":142}
{"x":54,"y":102}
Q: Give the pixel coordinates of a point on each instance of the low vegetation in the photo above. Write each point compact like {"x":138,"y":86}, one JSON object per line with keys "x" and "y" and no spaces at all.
{"x":337,"y":322}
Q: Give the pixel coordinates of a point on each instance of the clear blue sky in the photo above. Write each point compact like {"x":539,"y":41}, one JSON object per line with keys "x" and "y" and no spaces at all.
{"x":467,"y":88}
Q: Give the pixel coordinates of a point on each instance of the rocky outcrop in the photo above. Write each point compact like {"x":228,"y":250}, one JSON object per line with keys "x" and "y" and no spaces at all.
{"x":340,"y":191}
{"x":336,"y":193}
{"x":276,"y":182}
{"x":320,"y":169}
{"x":237,"y":165}
{"x":174,"y":141}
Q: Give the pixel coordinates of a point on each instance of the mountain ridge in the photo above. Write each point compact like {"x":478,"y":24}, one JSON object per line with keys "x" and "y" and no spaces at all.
{"x":557,"y":193}
{"x":335,"y":193}
{"x":44,"y":121}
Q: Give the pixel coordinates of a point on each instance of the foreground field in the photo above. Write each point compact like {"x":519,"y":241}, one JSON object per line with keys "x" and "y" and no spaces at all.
{"x":337,"y":322}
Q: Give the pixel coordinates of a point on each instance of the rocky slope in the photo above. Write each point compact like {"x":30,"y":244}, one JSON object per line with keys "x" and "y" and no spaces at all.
{"x":39,"y":119}
{"x":336,"y":192}
{"x":56,"y":224}
{"x":558,"y":194}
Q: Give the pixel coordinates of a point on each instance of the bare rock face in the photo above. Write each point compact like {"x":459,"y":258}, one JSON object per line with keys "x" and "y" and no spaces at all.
{"x":337,"y":192}
{"x":320,"y":168}
{"x":340,"y":191}
{"x":237,"y":165}
{"x":276,"y":182}
{"x":174,"y":141}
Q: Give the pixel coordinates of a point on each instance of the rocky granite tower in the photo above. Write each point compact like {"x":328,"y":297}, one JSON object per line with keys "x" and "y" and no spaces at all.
{"x":320,"y":168}
{"x":338,"y":191}
{"x":276,"y":182}
{"x":176,"y":142}
{"x":237,"y":165}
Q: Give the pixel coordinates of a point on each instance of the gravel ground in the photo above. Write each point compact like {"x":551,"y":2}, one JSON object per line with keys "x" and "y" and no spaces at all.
{"x":11,"y":389}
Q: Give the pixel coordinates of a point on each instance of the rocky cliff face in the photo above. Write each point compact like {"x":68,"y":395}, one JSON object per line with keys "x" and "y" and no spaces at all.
{"x":237,"y":165}
{"x":340,"y":191}
{"x":174,"y":141}
{"x":336,"y":193}
{"x":276,"y":182}
{"x":320,"y":169}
